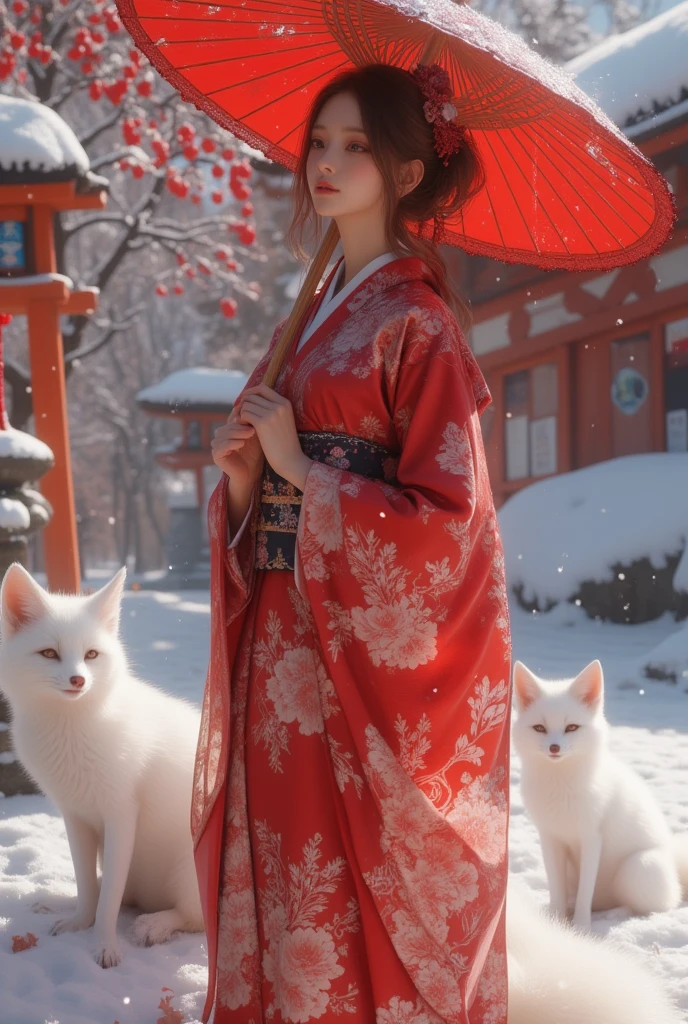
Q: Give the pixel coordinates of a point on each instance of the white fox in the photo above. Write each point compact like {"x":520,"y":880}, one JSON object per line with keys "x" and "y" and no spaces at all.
{"x":605,"y":841}
{"x":561,"y":976}
{"x":114,"y":754}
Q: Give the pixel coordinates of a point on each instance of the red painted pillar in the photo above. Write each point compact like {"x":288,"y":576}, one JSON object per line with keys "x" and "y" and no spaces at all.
{"x":50,"y":412}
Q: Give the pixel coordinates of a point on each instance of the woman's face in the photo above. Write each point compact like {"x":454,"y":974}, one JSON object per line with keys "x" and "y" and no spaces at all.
{"x":340,"y":155}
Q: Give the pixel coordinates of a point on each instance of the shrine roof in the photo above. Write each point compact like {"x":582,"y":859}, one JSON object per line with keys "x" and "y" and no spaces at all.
{"x":640,"y":77}
{"x":37,"y":146}
{"x":197,"y":389}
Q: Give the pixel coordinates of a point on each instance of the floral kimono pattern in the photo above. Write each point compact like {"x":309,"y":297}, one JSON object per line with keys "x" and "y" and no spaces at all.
{"x":350,"y":805}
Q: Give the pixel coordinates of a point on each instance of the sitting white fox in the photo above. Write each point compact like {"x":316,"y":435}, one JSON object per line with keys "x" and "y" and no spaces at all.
{"x":605,"y":841}
{"x":114,"y":754}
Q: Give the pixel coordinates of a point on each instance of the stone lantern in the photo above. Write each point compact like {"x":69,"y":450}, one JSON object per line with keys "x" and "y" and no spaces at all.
{"x":23,"y":510}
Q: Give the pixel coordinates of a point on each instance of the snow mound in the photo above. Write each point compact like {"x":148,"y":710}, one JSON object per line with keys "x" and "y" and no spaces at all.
{"x":14,"y":515}
{"x":568,"y":529}
{"x":669,"y":660}
{"x":198,"y":386}
{"x":638,"y":73}
{"x":16,"y":444}
{"x":35,"y":136}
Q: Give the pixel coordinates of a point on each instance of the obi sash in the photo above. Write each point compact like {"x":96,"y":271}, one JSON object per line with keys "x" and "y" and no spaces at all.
{"x":280,"y":502}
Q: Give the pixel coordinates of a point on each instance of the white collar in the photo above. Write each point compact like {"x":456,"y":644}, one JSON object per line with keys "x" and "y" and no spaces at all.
{"x":330,"y":301}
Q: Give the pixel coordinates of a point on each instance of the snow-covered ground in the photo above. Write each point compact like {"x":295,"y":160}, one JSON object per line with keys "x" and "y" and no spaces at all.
{"x":57,"y":982}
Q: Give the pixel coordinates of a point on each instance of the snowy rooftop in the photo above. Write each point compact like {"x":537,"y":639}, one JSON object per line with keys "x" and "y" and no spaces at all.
{"x":638,"y":74}
{"x":33,"y":138}
{"x":198,"y":388}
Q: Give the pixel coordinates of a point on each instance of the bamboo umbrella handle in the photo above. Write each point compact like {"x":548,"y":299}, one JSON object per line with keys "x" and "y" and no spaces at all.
{"x":302,"y":304}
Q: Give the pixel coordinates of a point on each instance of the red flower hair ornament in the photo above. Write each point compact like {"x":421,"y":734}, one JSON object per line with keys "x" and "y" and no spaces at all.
{"x":440,"y":112}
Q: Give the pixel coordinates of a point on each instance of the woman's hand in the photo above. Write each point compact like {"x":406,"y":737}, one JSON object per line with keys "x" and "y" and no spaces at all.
{"x":273,"y":419}
{"x":236,"y":451}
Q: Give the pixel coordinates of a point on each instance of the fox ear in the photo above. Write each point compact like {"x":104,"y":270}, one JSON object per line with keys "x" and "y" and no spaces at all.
{"x":107,"y":601}
{"x":588,"y":686}
{"x":526,"y":686}
{"x":22,"y":600}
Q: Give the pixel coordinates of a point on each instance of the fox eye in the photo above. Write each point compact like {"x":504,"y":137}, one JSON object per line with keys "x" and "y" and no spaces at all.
{"x":50,"y":652}
{"x":571,"y":728}
{"x":539,"y":728}
{"x":90,"y":655}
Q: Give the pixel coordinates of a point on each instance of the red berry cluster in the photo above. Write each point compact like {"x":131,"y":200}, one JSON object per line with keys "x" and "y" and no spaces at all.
{"x":92,"y":50}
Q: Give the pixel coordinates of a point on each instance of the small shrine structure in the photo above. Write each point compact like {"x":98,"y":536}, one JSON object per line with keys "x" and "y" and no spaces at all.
{"x":44,"y":171}
{"x":200,"y":399}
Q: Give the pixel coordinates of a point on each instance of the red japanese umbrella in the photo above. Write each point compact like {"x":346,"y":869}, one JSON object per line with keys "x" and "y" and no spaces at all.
{"x":565,"y":188}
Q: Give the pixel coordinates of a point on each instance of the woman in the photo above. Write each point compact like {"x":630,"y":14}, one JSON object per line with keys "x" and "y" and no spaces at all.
{"x":351,"y":796}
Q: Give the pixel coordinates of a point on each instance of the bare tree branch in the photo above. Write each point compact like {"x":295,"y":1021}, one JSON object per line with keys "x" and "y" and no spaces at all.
{"x":88,"y":137}
{"x":107,"y":335}
{"x":87,"y":222}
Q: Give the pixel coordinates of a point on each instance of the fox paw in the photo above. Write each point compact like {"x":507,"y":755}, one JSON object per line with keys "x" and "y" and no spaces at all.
{"x":107,"y":956}
{"x":71,"y":924}
{"x":150,"y":929}
{"x":40,"y":908}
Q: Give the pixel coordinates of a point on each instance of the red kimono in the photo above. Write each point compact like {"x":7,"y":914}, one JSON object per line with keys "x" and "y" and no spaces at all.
{"x":350,"y":805}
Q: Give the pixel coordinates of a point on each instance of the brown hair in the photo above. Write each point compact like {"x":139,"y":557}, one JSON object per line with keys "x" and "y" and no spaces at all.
{"x":391,"y":106}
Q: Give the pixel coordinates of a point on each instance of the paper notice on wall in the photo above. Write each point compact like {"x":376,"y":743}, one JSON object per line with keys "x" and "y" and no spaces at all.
{"x":543,"y":446}
{"x":516,"y":447}
{"x":677,"y":430}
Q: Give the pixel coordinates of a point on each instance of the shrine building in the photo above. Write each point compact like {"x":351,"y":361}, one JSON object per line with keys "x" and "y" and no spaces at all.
{"x":588,"y":367}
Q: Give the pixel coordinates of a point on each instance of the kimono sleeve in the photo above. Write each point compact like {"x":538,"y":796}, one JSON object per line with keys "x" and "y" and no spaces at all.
{"x":232,"y":575}
{"x":393,"y":558}
{"x":236,"y":553}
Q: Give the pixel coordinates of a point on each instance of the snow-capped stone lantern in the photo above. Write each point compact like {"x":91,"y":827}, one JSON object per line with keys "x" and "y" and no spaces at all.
{"x":43,"y":171}
{"x":201,"y":399}
{"x":23,"y":459}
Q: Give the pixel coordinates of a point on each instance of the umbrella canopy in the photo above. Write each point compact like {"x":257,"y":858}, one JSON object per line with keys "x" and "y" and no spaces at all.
{"x":565,"y":188}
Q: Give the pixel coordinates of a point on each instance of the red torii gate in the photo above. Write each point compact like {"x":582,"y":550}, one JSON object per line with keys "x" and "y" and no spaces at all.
{"x":34,"y":289}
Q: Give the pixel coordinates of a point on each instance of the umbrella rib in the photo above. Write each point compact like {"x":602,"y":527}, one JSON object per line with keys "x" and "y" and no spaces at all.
{"x":306,"y":11}
{"x":297,"y":88}
{"x":240,"y":56}
{"x":268,"y":74}
{"x":573,"y":127}
{"x":231,"y":21}
{"x":640,"y":196}
{"x":635,"y":195}
{"x":291,"y":131}
{"x":508,"y":185}
{"x":553,"y":142}
{"x":544,"y":209}
{"x":494,"y":215}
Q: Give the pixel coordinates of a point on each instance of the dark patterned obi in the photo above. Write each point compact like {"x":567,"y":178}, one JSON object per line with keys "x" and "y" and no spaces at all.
{"x":280,"y":502}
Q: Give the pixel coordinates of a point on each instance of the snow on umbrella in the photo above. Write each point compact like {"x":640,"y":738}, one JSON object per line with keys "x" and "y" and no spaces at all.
{"x":565,"y":188}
